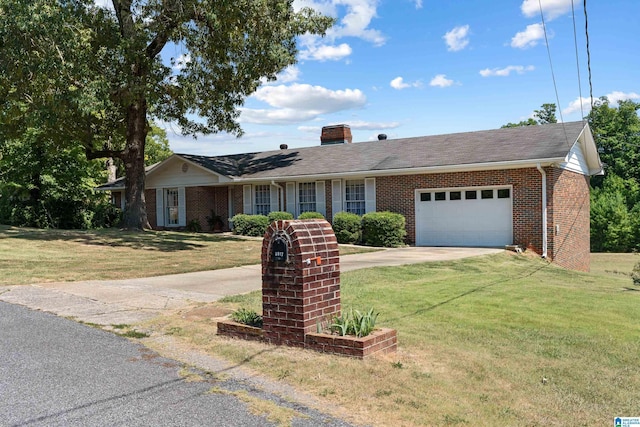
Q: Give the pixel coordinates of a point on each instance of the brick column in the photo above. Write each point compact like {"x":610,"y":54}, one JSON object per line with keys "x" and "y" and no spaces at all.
{"x":303,"y":289}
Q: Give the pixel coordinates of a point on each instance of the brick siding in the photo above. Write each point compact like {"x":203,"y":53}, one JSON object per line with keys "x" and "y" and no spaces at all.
{"x":397,"y":194}
{"x":202,"y":200}
{"x":568,"y":224}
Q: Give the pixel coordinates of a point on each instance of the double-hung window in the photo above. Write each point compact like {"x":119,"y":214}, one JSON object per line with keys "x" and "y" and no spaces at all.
{"x":354,"y":197}
{"x":306,"y":197}
{"x":262,"y":199}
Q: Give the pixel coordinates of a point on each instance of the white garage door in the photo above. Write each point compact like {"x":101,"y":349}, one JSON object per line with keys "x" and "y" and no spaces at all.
{"x":464,"y":217}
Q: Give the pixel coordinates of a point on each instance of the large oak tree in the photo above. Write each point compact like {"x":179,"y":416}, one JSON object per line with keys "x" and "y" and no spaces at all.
{"x":95,"y":76}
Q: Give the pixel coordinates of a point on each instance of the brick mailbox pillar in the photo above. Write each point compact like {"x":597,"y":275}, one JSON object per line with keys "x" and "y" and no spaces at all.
{"x":300,"y":279}
{"x":300,"y":289}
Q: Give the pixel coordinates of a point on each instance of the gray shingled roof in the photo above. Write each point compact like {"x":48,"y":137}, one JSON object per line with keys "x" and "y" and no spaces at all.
{"x":529,"y":143}
{"x":522,"y":144}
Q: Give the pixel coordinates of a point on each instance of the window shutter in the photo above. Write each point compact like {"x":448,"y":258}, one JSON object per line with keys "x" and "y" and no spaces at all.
{"x":291,"y":198}
{"x":321,"y":198}
{"x":123,"y":200}
{"x":159,"y":207}
{"x":182,"y":208}
{"x":336,"y":197}
{"x":370,"y":194}
{"x":273,"y":198}
{"x":246,"y":200}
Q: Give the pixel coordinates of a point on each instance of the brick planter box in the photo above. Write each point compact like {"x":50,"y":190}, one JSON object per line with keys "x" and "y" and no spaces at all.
{"x":232,"y":329}
{"x":380,"y":341}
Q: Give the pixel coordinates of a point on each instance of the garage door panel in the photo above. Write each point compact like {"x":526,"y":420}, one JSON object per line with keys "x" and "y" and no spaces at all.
{"x":474,"y":222}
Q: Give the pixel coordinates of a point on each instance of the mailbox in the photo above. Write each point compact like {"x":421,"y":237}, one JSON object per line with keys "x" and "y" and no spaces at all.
{"x":279,"y":249}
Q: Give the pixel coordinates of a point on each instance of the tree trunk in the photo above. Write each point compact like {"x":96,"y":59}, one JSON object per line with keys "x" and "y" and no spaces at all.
{"x":135,"y":213}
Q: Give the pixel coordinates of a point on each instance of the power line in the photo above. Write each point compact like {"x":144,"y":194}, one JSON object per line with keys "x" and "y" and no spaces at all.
{"x":553,"y":76}
{"x":586,"y":32}
{"x":575,"y":44}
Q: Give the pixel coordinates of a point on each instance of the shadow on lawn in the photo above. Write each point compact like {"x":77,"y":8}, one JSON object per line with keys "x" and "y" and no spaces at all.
{"x":144,"y":240}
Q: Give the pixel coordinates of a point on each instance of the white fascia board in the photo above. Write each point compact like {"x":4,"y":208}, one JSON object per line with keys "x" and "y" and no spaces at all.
{"x":518,"y":164}
{"x":158,"y":166}
{"x":590,"y":150}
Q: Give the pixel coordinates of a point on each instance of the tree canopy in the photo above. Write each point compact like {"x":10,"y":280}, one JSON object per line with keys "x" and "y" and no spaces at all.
{"x":615,"y":198}
{"x":546,"y":114}
{"x":94,"y":77}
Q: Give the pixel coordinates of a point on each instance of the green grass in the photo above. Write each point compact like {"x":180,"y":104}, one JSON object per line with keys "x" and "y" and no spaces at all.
{"x":494,"y":340}
{"x":35,"y":256}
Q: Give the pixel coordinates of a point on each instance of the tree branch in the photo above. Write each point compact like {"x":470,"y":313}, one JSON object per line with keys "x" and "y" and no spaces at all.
{"x":103,"y":154}
{"x":169,"y":21}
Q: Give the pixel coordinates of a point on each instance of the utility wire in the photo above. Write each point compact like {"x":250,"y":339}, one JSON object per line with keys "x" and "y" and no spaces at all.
{"x":575,"y":44}
{"x":553,"y":76}
{"x":586,"y":32}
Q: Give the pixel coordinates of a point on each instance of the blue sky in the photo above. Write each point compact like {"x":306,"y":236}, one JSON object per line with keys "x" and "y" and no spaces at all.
{"x":422,"y":67}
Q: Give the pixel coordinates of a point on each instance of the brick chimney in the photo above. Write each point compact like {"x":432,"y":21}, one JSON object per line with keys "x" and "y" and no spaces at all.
{"x":338,"y":134}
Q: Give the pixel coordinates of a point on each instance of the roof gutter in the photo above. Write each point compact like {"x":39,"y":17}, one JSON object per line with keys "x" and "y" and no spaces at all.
{"x":516,"y":164}
{"x":544,"y":210}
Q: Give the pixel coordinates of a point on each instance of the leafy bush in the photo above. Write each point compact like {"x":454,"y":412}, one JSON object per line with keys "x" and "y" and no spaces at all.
{"x":355,"y":323}
{"x":215,"y":221}
{"x":247,"y":317}
{"x":635,"y":274}
{"x":347,"y":227}
{"x":106,"y":215}
{"x":386,"y":229}
{"x":194,"y":226}
{"x":277,"y":216}
{"x":611,"y":224}
{"x":250,"y":225}
{"x":311,"y":215}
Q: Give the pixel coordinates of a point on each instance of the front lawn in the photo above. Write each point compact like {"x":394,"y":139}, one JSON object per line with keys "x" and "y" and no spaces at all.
{"x":30,"y":255}
{"x":494,"y":340}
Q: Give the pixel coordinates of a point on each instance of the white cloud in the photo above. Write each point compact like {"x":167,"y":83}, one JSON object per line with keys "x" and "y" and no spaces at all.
{"x":355,"y":22}
{"x":457,"y":39}
{"x":325,"y":52}
{"x":613,"y":97}
{"x":529,"y":37}
{"x":552,"y":9}
{"x":300,"y":102}
{"x":440,"y":80}
{"x":617,"y":96}
{"x":288,"y":75}
{"x":355,"y":125}
{"x":399,"y":83}
{"x":363,"y":125}
{"x":506,"y":71}
{"x":280,"y":116}
{"x":418,"y":4}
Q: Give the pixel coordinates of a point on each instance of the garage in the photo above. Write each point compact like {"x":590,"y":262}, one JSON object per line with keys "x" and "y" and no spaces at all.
{"x":477,"y":216}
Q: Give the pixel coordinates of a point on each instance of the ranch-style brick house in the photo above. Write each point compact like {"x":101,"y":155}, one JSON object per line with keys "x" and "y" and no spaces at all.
{"x":527,"y":186}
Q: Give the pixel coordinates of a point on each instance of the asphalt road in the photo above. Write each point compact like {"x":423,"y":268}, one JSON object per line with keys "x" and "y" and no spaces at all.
{"x":56,"y":372}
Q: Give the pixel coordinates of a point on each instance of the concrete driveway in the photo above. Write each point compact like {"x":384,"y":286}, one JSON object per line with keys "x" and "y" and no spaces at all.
{"x":130,"y":301}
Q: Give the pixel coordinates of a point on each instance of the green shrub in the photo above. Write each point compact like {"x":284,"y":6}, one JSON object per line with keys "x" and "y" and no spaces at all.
{"x":278,"y":216}
{"x":250,"y":225}
{"x":386,"y":229}
{"x":247,"y":317}
{"x":311,"y":215}
{"x":194,"y":226}
{"x":354,"y":323}
{"x":347,"y":227}
{"x":635,"y":274}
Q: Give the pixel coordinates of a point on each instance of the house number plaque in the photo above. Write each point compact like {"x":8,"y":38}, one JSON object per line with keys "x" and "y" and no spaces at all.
{"x":279,"y":249}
